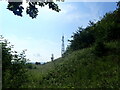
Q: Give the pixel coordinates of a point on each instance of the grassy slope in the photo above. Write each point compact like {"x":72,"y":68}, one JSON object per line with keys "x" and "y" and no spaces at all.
{"x":80,"y":69}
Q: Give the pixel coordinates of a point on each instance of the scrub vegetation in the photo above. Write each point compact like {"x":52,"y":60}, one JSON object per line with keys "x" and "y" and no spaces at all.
{"x":91,"y":60}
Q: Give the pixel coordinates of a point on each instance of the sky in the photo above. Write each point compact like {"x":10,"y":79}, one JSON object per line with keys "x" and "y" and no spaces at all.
{"x":42,"y":36}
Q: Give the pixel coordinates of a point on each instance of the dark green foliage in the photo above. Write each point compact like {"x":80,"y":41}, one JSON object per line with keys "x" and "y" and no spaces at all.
{"x":35,"y":67}
{"x":108,"y":28}
{"x":37,"y":63}
{"x":105,"y":30}
{"x":82,"y":38}
{"x":16,"y":8}
{"x":14,"y":72}
{"x":31,"y":10}
{"x":6,"y":56}
{"x":29,"y":66}
{"x":100,"y":49}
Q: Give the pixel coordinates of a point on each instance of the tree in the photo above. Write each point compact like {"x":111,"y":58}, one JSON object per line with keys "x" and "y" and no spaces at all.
{"x":14,"y":72}
{"x":82,"y":38}
{"x":31,"y":10}
{"x":37,"y":63}
{"x":105,"y":30}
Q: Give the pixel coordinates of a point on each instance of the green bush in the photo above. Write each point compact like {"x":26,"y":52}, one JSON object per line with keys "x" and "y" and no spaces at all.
{"x":29,"y":66}
{"x":100,"y":49}
{"x":14,"y":71}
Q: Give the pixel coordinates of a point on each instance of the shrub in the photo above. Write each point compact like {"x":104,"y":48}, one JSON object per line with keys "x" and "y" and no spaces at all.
{"x":14,"y":73}
{"x":29,"y":66}
{"x":100,"y":49}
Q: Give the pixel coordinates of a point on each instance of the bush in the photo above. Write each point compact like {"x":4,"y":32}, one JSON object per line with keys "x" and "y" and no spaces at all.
{"x":29,"y":66}
{"x":14,"y":73}
{"x":100,"y":49}
{"x":35,"y":67}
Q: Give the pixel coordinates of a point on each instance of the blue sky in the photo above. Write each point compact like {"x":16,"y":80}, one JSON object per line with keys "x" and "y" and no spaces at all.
{"x":42,"y":36}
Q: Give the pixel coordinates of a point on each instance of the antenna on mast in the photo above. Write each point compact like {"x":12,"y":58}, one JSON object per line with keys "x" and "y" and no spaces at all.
{"x":63,"y":47}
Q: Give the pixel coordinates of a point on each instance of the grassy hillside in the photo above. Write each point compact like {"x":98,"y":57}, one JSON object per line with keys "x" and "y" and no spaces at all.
{"x":80,"y":69}
{"x":91,"y":60}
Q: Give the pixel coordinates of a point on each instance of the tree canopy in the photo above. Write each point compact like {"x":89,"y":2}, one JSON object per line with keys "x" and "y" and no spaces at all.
{"x":105,"y":30}
{"x":31,"y":10}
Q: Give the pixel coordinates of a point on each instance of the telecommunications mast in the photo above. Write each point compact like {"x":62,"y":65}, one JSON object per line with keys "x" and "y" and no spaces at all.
{"x":63,"y":47}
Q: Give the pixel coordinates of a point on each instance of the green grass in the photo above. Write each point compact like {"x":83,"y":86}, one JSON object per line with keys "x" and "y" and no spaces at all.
{"x":80,"y":69}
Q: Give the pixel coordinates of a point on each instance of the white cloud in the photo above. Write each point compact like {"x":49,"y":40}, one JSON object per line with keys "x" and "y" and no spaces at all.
{"x":66,"y":8}
{"x":70,"y":13}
